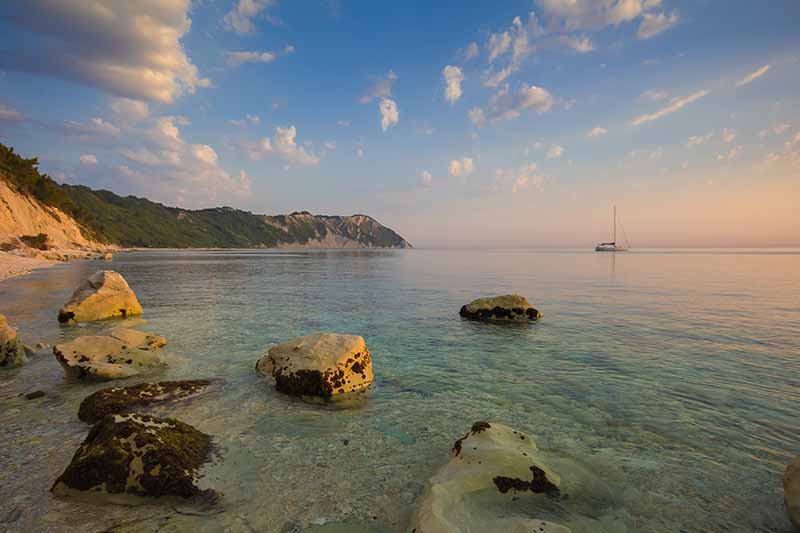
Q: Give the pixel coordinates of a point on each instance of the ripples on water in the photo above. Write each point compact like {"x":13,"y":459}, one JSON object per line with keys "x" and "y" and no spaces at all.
{"x":662,"y":386}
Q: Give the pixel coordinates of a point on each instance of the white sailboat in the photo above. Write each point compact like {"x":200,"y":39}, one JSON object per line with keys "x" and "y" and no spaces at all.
{"x":612,"y":246}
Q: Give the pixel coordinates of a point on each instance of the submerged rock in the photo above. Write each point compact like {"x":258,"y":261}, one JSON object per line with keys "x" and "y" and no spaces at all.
{"x":322,"y":364}
{"x":791,"y":491}
{"x":127,"y":399}
{"x":12,"y":351}
{"x":511,"y":307}
{"x":104,"y":294}
{"x":131,"y":455}
{"x":121,"y":354}
{"x":490,"y":463}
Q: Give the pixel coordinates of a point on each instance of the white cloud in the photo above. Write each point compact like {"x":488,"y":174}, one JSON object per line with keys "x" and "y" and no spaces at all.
{"x":452,"y":81}
{"x":753,"y":76}
{"x":656,"y":23}
{"x":697,"y":140}
{"x":516,"y":41}
{"x":498,"y":45}
{"x":733,"y":153}
{"x":381,"y":87}
{"x":240,"y":57}
{"x":240,"y":18}
{"x":390,"y":116}
{"x":9,"y":114}
{"x":330,"y":145}
{"x":88,"y":159}
{"x":425,"y":179}
{"x":503,"y":105}
{"x":360,"y":152}
{"x":582,"y":44}
{"x":596,"y":132}
{"x":675,"y":105}
{"x":573,"y":15}
{"x":283,"y":145}
{"x":254,"y":120}
{"x":204,"y":153}
{"x":555,"y":152}
{"x":525,"y":177}
{"x":777,"y":129}
{"x":128,"y":110}
{"x":653,"y":95}
{"x":472,"y":51}
{"x":464,"y":166}
{"x":130,"y":49}
{"x":728,"y":135}
{"x":343,"y":123}
{"x":94,"y":130}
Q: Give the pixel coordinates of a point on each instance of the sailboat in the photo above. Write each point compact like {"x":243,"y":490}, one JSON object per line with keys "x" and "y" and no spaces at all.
{"x":612,"y":246}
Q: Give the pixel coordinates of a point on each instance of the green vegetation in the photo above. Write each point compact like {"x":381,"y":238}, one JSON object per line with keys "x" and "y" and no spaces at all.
{"x":138,"y":222}
{"x":36,"y":241}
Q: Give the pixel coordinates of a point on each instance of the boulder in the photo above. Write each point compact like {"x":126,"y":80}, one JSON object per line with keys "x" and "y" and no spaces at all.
{"x":489,"y":466}
{"x":511,"y":307}
{"x":104,"y":294}
{"x":791,"y":491}
{"x":128,"y":456}
{"x":12,"y":351}
{"x":108,"y":256}
{"x":322,"y":364}
{"x":120,"y":354}
{"x":128,"y":399}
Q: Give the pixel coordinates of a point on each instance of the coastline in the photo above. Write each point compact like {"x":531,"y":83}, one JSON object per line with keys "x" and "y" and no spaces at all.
{"x":12,"y":266}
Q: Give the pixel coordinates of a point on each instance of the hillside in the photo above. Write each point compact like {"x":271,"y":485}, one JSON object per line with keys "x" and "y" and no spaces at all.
{"x":105,"y":218}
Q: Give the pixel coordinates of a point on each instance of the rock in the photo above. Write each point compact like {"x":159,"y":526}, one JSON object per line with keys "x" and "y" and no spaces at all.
{"x":108,"y":256}
{"x":130,"y":455}
{"x":127,"y":399}
{"x":34,"y":395}
{"x":511,"y":307}
{"x":322,"y":364}
{"x":791,"y":491}
{"x":121,"y":354}
{"x":104,"y":294}
{"x":12,"y":351}
{"x":489,"y":465}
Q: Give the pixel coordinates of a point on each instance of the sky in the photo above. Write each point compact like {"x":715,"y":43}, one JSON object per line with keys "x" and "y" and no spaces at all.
{"x":456,"y":123}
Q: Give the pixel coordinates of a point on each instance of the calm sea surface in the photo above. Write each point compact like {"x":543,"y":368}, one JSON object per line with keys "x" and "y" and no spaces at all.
{"x":663,"y":386}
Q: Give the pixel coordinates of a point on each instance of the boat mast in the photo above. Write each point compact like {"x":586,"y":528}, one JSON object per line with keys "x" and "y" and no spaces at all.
{"x":614,"y":239}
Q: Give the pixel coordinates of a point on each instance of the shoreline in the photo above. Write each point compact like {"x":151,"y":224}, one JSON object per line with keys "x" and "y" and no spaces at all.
{"x":12,"y":266}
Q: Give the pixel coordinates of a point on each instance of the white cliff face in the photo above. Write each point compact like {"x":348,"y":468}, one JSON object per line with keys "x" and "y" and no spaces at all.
{"x":22,"y":215}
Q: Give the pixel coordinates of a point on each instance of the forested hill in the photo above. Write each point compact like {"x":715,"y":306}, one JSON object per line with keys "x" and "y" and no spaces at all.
{"x":130,"y":221}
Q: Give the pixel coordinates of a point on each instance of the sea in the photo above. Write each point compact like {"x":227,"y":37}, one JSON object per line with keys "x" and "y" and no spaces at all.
{"x":663,"y":385}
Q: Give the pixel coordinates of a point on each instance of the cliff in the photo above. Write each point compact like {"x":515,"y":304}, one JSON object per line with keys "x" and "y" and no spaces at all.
{"x":80,"y":217}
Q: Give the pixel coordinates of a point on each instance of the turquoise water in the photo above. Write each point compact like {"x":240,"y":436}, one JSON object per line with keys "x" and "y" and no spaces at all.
{"x":662,"y":385}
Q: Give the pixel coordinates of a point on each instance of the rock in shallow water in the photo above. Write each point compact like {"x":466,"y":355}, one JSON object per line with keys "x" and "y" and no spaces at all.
{"x":491,"y":461}
{"x":511,"y":307}
{"x":128,"y":456}
{"x":121,"y":354}
{"x":12,"y":351}
{"x":127,"y":399}
{"x":322,"y":364}
{"x":104,"y":294}
{"x":791,"y":491}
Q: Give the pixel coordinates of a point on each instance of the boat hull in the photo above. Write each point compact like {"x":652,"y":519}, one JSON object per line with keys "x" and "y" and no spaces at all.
{"x":603,"y":248}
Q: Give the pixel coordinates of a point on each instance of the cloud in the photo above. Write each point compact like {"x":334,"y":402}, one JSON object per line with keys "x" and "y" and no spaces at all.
{"x":675,"y":105}
{"x":130,"y":49}
{"x":329,"y":145}
{"x":777,"y":129}
{"x":381,"y":88}
{"x":655,"y":23}
{"x":343,"y":123}
{"x":653,"y":95}
{"x":596,"y":132}
{"x":241,"y":57}
{"x":390,"y":116}
{"x":94,"y":130}
{"x":728,"y":135}
{"x":254,"y":120}
{"x":582,"y":45}
{"x":9,"y":114}
{"x":526,"y":176}
{"x":452,"y":81}
{"x":503,"y":105}
{"x":88,"y":159}
{"x":425,"y":179}
{"x":697,"y":140}
{"x":283,"y":145}
{"x":555,"y":152}
{"x":464,"y":166}
{"x":498,"y":45}
{"x":128,"y":110}
{"x":205,"y":154}
{"x":240,"y":18}
{"x":472,"y":51}
{"x":516,"y":41}
{"x":753,"y":76}
{"x":573,"y":15}
{"x":733,"y":153}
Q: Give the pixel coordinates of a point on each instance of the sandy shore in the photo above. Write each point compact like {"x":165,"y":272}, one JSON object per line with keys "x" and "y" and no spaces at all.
{"x":14,"y":265}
